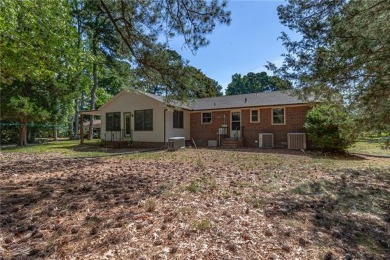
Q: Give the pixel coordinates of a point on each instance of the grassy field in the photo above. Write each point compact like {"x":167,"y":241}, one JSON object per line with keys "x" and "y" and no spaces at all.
{"x":72,"y":148}
{"x":195,"y":204}
{"x":369,"y":146}
{"x":69,"y":148}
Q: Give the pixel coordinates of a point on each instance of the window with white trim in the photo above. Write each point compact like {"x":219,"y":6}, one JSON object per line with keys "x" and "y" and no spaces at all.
{"x":255,"y":116}
{"x":206,"y":118}
{"x":278,"y":116}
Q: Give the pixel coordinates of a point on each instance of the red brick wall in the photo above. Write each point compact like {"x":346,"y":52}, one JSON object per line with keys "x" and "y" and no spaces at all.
{"x":294,"y":121}
{"x":201,"y":133}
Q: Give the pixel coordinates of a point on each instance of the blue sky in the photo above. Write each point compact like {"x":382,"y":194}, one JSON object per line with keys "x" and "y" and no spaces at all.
{"x":244,"y":46}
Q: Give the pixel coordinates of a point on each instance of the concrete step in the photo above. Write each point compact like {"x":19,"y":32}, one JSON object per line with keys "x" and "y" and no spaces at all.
{"x":231,"y":143}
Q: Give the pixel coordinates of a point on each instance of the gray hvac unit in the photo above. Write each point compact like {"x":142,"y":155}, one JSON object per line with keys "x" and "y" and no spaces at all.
{"x":266,"y":140}
{"x":212,"y":143}
{"x":176,"y":143}
{"x":296,"y":140}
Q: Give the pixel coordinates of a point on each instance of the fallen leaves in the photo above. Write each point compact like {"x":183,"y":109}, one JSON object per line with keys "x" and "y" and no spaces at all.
{"x":237,"y":205}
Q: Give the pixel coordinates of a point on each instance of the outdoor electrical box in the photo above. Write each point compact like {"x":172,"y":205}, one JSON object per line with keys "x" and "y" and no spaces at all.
{"x":176,"y":143}
{"x":222,"y":130}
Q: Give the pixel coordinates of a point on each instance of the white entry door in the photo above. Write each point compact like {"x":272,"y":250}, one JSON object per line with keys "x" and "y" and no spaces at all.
{"x":235,"y":125}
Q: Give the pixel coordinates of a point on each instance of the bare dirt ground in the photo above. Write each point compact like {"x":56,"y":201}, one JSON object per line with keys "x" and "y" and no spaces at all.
{"x":195,"y":204}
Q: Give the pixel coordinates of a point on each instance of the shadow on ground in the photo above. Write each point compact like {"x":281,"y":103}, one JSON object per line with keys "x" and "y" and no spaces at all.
{"x":49,"y":205}
{"x":353,"y":211}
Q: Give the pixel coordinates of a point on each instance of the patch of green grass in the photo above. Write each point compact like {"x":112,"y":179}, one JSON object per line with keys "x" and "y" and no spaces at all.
{"x":255,"y":201}
{"x":202,"y":184}
{"x":369,"y":146}
{"x":66,"y":147}
{"x":165,"y":189}
{"x":240,"y":184}
{"x":270,"y":187}
{"x":161,"y":155}
{"x":194,"y":187}
{"x":150,"y":205}
{"x":313,"y":188}
{"x":200,"y":163}
{"x":368,"y":242}
{"x":202,"y":225}
{"x":225,"y":194}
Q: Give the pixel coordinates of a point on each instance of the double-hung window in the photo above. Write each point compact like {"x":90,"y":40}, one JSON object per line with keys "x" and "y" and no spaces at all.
{"x":143,"y":120}
{"x":278,"y":116}
{"x":206,"y":118}
{"x":255,"y":116}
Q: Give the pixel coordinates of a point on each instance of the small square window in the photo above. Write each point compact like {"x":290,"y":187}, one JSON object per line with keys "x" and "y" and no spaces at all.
{"x":206,"y":118}
{"x":278,"y":116}
{"x":255,"y":117}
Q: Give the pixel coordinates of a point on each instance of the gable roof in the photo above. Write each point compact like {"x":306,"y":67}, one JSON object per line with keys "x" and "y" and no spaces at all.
{"x":173,"y":103}
{"x":127,"y":91}
{"x":274,"y":98}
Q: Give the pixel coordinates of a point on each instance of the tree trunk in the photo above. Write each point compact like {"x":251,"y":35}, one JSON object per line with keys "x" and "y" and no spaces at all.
{"x":93,"y":99}
{"x":55,"y":133}
{"x":71,"y":128}
{"x":94,"y":75}
{"x":22,"y":133}
{"x":76,"y":118}
{"x":90,"y":127}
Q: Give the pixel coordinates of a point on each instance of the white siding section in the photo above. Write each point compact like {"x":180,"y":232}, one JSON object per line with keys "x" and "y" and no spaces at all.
{"x":129,"y":102}
{"x":178,"y":132}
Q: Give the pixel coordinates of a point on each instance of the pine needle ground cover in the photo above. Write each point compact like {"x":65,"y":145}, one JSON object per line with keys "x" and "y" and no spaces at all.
{"x":195,"y":204}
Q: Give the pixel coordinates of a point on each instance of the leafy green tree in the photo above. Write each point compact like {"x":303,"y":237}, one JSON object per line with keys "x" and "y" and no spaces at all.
{"x":37,"y":56}
{"x":203,"y":86}
{"x":255,"y":82}
{"x":330,"y":128}
{"x":344,"y":48}
{"x":104,"y":70}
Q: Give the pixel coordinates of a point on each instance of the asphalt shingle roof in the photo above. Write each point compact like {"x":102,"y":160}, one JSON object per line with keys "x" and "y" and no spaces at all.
{"x":274,"y":98}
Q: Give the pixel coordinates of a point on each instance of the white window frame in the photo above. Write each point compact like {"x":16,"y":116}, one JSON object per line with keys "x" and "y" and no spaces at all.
{"x":284,"y":116}
{"x":258,"y":115}
{"x":206,"y":123}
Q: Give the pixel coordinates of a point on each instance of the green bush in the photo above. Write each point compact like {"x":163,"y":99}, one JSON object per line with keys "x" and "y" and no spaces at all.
{"x":8,"y":134}
{"x":330,"y":128}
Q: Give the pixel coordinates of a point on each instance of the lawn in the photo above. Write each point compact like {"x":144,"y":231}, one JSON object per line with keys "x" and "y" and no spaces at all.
{"x":195,"y":204}
{"x":371,"y":146}
{"x":68,"y":148}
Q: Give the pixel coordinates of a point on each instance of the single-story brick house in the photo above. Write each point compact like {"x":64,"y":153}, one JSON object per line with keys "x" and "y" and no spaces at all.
{"x":269,"y":119}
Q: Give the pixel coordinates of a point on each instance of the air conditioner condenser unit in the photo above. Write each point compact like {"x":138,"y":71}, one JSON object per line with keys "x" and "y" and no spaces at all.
{"x":266,"y":140}
{"x":296,"y":141}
